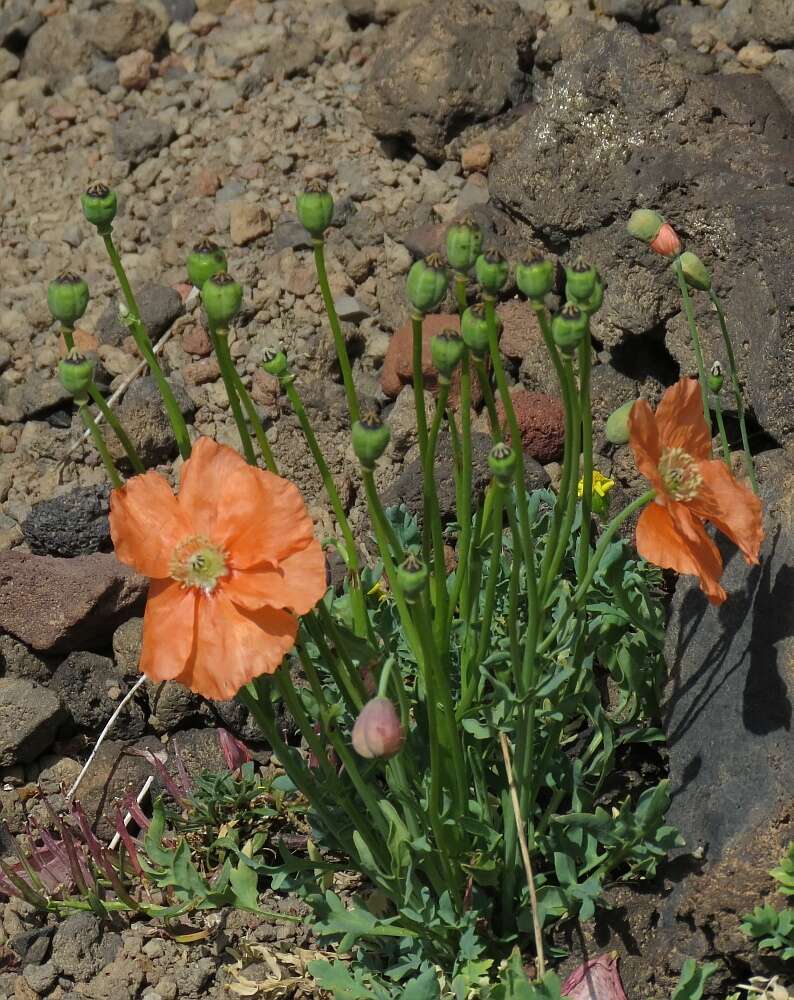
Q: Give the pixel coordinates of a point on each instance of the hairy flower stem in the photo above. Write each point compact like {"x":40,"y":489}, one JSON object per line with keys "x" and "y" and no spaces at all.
{"x":737,"y":389}
{"x":686,"y":298}
{"x":115,"y":424}
{"x":726,"y":448}
{"x":490,"y":404}
{"x":421,"y":428}
{"x":432,"y":511}
{"x":220,"y":343}
{"x":460,"y":588}
{"x":336,"y":330}
{"x":460,"y":292}
{"x":585,"y":410}
{"x":144,"y":345}
{"x":256,"y":423}
{"x":99,"y":444}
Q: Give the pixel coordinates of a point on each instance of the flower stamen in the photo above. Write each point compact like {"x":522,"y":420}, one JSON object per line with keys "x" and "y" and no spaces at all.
{"x":198,"y":562}
{"x":680,"y":474}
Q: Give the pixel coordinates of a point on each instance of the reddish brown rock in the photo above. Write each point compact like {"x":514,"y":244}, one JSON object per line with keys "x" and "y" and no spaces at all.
{"x":200,"y":372}
{"x":195,"y":340}
{"x":265,"y":389}
{"x":541,"y":420}
{"x":521,"y":334}
{"x":59,"y":605}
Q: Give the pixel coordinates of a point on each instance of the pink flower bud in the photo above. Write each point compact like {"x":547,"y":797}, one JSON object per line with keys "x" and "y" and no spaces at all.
{"x":597,"y":979}
{"x":666,"y":241}
{"x":377,"y":731}
{"x":235,"y":753}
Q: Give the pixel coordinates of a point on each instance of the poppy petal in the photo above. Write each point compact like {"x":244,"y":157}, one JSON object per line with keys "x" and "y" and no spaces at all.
{"x":670,"y":537}
{"x":233,"y":646}
{"x":644,"y":439}
{"x":146,"y":524}
{"x":680,"y":420}
{"x":257,"y":516}
{"x":169,"y":629}
{"x":298,"y":582}
{"x":731,"y":506}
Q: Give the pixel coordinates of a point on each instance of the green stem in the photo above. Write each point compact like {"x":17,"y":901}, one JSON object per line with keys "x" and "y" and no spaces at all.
{"x":220,"y":343}
{"x":115,"y":424}
{"x":67,"y":329}
{"x":460,"y":292}
{"x":460,"y":591}
{"x":421,"y":425}
{"x":693,"y":330}
{"x":726,"y":448}
{"x":585,"y":362}
{"x":433,"y":512}
{"x":144,"y":345}
{"x":490,"y":404}
{"x":99,"y":444}
{"x":256,"y":423}
{"x":336,"y":330}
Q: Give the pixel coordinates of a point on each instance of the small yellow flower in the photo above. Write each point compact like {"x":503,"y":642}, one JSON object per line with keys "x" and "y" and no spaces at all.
{"x":379,"y":591}
{"x":601,"y":487}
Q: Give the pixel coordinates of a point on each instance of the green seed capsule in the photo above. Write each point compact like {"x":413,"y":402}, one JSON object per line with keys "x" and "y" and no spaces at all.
{"x":715,"y":378}
{"x":535,"y":278}
{"x":569,"y":328}
{"x":99,"y":206}
{"x":67,"y":297}
{"x":427,"y":283}
{"x":276,"y":362}
{"x":644,"y":224}
{"x":315,"y":208}
{"x":594,"y":303}
{"x":370,"y":438}
{"x":580,"y":280}
{"x":617,"y":428}
{"x":446,"y":350}
{"x":502,"y":463}
{"x":474,"y":329}
{"x":464,"y":243}
{"x":222,"y":298}
{"x":695,"y":271}
{"x":205,"y":260}
{"x":492,"y":271}
{"x":411,"y":576}
{"x":76,"y":374}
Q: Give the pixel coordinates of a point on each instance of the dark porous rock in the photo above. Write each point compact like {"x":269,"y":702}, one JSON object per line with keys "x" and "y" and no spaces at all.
{"x":136,"y":136}
{"x":127,"y":641}
{"x":16,"y":660}
{"x":30,"y":717}
{"x":83,"y":945}
{"x":609,"y":389}
{"x":33,"y":946}
{"x":367,"y":11}
{"x":444,"y":67}
{"x":73,"y":524}
{"x":58,"y":605}
{"x":781,"y":77}
{"x":712,"y":153}
{"x":143,"y":416}
{"x":407,"y":488}
{"x":236,"y":718}
{"x":36,"y":397}
{"x":774,"y":22}
{"x":58,"y":50}
{"x":171,"y":706}
{"x":640,"y":12}
{"x":121,"y":28}
{"x":159,"y":306}
{"x":91,"y":687}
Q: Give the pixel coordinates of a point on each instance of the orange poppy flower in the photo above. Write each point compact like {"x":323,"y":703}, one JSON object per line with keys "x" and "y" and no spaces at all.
{"x":672,"y":449}
{"x":232,"y":560}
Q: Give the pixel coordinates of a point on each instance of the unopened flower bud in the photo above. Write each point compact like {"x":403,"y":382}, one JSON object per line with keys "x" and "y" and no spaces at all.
{"x":580,"y":280}
{"x":76,"y":374}
{"x":370,"y":438}
{"x":99,"y":206}
{"x":222,"y":297}
{"x":502,"y":462}
{"x":569,"y":328}
{"x":411,"y":576}
{"x":695,"y":271}
{"x":377,"y":731}
{"x":276,"y":362}
{"x":597,"y":977}
{"x":427,"y":283}
{"x":67,"y":297}
{"x":315,"y":208}
{"x":446,"y":350}
{"x":474,"y":329}
{"x":535,"y":278}
{"x":617,"y":428}
{"x":644,"y":224}
{"x":205,"y":260}
{"x":715,"y":378}
{"x":464,"y":242}
{"x":666,"y":242}
{"x":492,"y":271}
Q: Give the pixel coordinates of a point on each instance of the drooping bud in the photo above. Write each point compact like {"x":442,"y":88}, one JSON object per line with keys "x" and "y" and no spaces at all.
{"x":644,"y":224}
{"x":235,"y":753}
{"x":205,"y":260}
{"x":377,"y":731}
{"x":315,"y":208}
{"x":222,"y":297}
{"x":464,"y":242}
{"x":446,"y":350}
{"x":502,"y":463}
{"x":695,"y":271}
{"x":76,"y":374}
{"x":715,"y":378}
{"x":474,"y":329}
{"x":370,"y":438}
{"x":597,"y":977}
{"x":617,"y":427}
{"x":666,"y":242}
{"x":411,"y":577}
{"x":99,"y":206}
{"x":276,"y":361}
{"x":535,"y":277}
{"x":580,"y":280}
{"x":492,"y":271}
{"x":569,"y":328}
{"x":67,"y":297}
{"x":427,"y":283}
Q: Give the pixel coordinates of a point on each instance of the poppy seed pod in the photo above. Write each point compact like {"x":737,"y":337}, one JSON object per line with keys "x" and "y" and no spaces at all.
{"x":205,"y":260}
{"x":276,"y":362}
{"x":464,"y":242}
{"x":535,"y":278}
{"x":99,"y":206}
{"x":569,"y":327}
{"x":580,"y":280}
{"x":370,"y":437}
{"x":492,"y":271}
{"x":594,"y":302}
{"x":222,"y":297}
{"x":715,"y":378}
{"x":617,"y":427}
{"x":666,"y":242}
{"x":644,"y":224}
{"x":446,"y":350}
{"x":427,"y":283}
{"x":378,"y":732}
{"x":76,"y":374}
{"x":315,"y":208}
{"x":474,"y":329}
{"x":502,"y":463}
{"x":411,"y":577}
{"x":695,"y":272}
{"x":67,"y":297}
